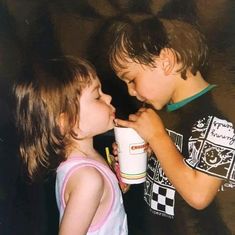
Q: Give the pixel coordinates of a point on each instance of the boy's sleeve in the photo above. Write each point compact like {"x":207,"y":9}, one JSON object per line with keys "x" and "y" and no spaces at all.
{"x":211,"y":148}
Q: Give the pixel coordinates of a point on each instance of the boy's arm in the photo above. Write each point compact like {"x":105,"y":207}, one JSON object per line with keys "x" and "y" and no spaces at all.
{"x":84,"y":191}
{"x":198,"y":189}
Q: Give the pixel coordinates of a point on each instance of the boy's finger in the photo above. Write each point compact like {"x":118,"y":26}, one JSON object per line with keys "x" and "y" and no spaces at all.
{"x":133,"y":117}
{"x":123,"y":123}
{"x":142,"y":109}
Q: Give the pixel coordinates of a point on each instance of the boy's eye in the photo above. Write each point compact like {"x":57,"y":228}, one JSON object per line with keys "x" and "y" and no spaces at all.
{"x":131,"y":81}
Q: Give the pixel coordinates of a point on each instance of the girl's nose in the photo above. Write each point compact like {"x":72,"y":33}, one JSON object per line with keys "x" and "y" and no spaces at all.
{"x":108,"y":98}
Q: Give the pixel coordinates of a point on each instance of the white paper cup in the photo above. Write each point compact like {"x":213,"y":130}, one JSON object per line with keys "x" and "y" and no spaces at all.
{"x":132,"y":155}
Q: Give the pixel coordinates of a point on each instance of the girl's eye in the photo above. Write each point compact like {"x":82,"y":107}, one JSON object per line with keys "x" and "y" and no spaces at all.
{"x":98,"y":97}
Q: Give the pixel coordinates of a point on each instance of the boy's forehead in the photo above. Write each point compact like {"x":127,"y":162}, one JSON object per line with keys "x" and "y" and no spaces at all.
{"x":124,"y":68}
{"x":120,"y":61}
{"x":123,"y":65}
{"x":123,"y":73}
{"x":129,"y":67}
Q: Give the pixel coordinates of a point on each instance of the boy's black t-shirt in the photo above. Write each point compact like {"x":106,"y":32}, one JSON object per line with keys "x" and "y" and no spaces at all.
{"x":205,"y":136}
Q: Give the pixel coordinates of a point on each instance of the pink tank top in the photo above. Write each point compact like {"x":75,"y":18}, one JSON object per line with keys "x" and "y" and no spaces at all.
{"x":114,"y":221}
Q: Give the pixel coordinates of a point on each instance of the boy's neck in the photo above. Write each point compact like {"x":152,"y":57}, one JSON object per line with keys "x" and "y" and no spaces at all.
{"x":189,"y":87}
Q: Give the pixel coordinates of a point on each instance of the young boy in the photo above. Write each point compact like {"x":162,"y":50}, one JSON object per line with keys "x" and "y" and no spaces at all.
{"x":191,"y":179}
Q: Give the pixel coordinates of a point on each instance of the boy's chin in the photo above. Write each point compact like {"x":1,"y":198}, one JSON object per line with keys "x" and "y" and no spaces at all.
{"x":157,"y":106}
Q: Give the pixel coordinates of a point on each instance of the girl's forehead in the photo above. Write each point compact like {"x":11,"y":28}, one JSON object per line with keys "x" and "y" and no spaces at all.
{"x":95,"y":82}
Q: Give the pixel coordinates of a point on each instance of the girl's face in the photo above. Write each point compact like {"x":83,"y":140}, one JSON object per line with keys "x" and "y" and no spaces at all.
{"x":147,"y":84}
{"x":96,"y":112}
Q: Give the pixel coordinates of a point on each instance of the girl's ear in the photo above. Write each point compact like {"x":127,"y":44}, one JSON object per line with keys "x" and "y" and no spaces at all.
{"x":78,"y":133}
{"x":167,"y":60}
{"x":62,"y":122}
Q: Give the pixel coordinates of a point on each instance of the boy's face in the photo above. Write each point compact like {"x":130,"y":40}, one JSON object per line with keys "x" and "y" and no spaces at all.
{"x":96,"y":112}
{"x":147,"y":84}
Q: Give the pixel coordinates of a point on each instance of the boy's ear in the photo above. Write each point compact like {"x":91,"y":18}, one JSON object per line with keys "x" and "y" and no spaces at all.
{"x":167,"y":60}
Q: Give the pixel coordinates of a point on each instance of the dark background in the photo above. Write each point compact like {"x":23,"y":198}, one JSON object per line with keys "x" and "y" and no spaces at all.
{"x":45,"y":29}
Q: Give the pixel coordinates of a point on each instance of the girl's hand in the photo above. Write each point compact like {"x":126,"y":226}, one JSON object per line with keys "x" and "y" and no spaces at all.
{"x":115,"y":167}
{"x":115,"y":150}
{"x":123,"y":186}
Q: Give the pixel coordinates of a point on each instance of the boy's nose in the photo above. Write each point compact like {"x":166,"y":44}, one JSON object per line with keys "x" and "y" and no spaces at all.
{"x":131,"y":91}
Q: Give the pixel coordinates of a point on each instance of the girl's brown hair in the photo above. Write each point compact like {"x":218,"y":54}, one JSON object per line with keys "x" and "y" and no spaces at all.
{"x":45,"y":91}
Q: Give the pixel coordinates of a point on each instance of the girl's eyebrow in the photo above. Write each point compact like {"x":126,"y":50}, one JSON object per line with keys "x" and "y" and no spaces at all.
{"x":95,"y":87}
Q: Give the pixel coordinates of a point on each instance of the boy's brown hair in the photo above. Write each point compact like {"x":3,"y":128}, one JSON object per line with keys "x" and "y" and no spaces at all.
{"x":141,"y":40}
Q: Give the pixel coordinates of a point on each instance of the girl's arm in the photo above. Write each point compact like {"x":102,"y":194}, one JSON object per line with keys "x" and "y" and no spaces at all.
{"x":83,"y":195}
{"x":198,"y":189}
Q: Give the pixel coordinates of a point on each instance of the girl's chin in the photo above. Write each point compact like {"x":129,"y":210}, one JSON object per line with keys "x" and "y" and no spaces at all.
{"x":110,"y":127}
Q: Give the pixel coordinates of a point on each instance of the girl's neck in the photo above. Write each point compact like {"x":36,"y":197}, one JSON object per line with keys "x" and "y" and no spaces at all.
{"x":83,"y":148}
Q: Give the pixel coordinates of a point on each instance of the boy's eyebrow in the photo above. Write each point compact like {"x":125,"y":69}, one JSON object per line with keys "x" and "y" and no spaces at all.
{"x":123,"y":74}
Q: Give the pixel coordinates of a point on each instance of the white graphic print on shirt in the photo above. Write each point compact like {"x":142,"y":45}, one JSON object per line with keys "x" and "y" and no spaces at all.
{"x":212,"y":148}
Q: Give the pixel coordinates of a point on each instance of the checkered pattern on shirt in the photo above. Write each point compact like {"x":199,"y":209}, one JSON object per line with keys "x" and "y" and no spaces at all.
{"x":163,"y":199}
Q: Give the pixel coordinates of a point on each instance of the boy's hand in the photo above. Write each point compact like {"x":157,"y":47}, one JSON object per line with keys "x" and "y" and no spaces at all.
{"x":146,"y":122}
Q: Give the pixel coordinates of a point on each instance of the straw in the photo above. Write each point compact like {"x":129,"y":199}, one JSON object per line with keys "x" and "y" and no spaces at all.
{"x":108,"y":156}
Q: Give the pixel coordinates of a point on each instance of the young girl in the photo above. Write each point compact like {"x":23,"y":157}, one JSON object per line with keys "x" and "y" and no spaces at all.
{"x":60,"y":107}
